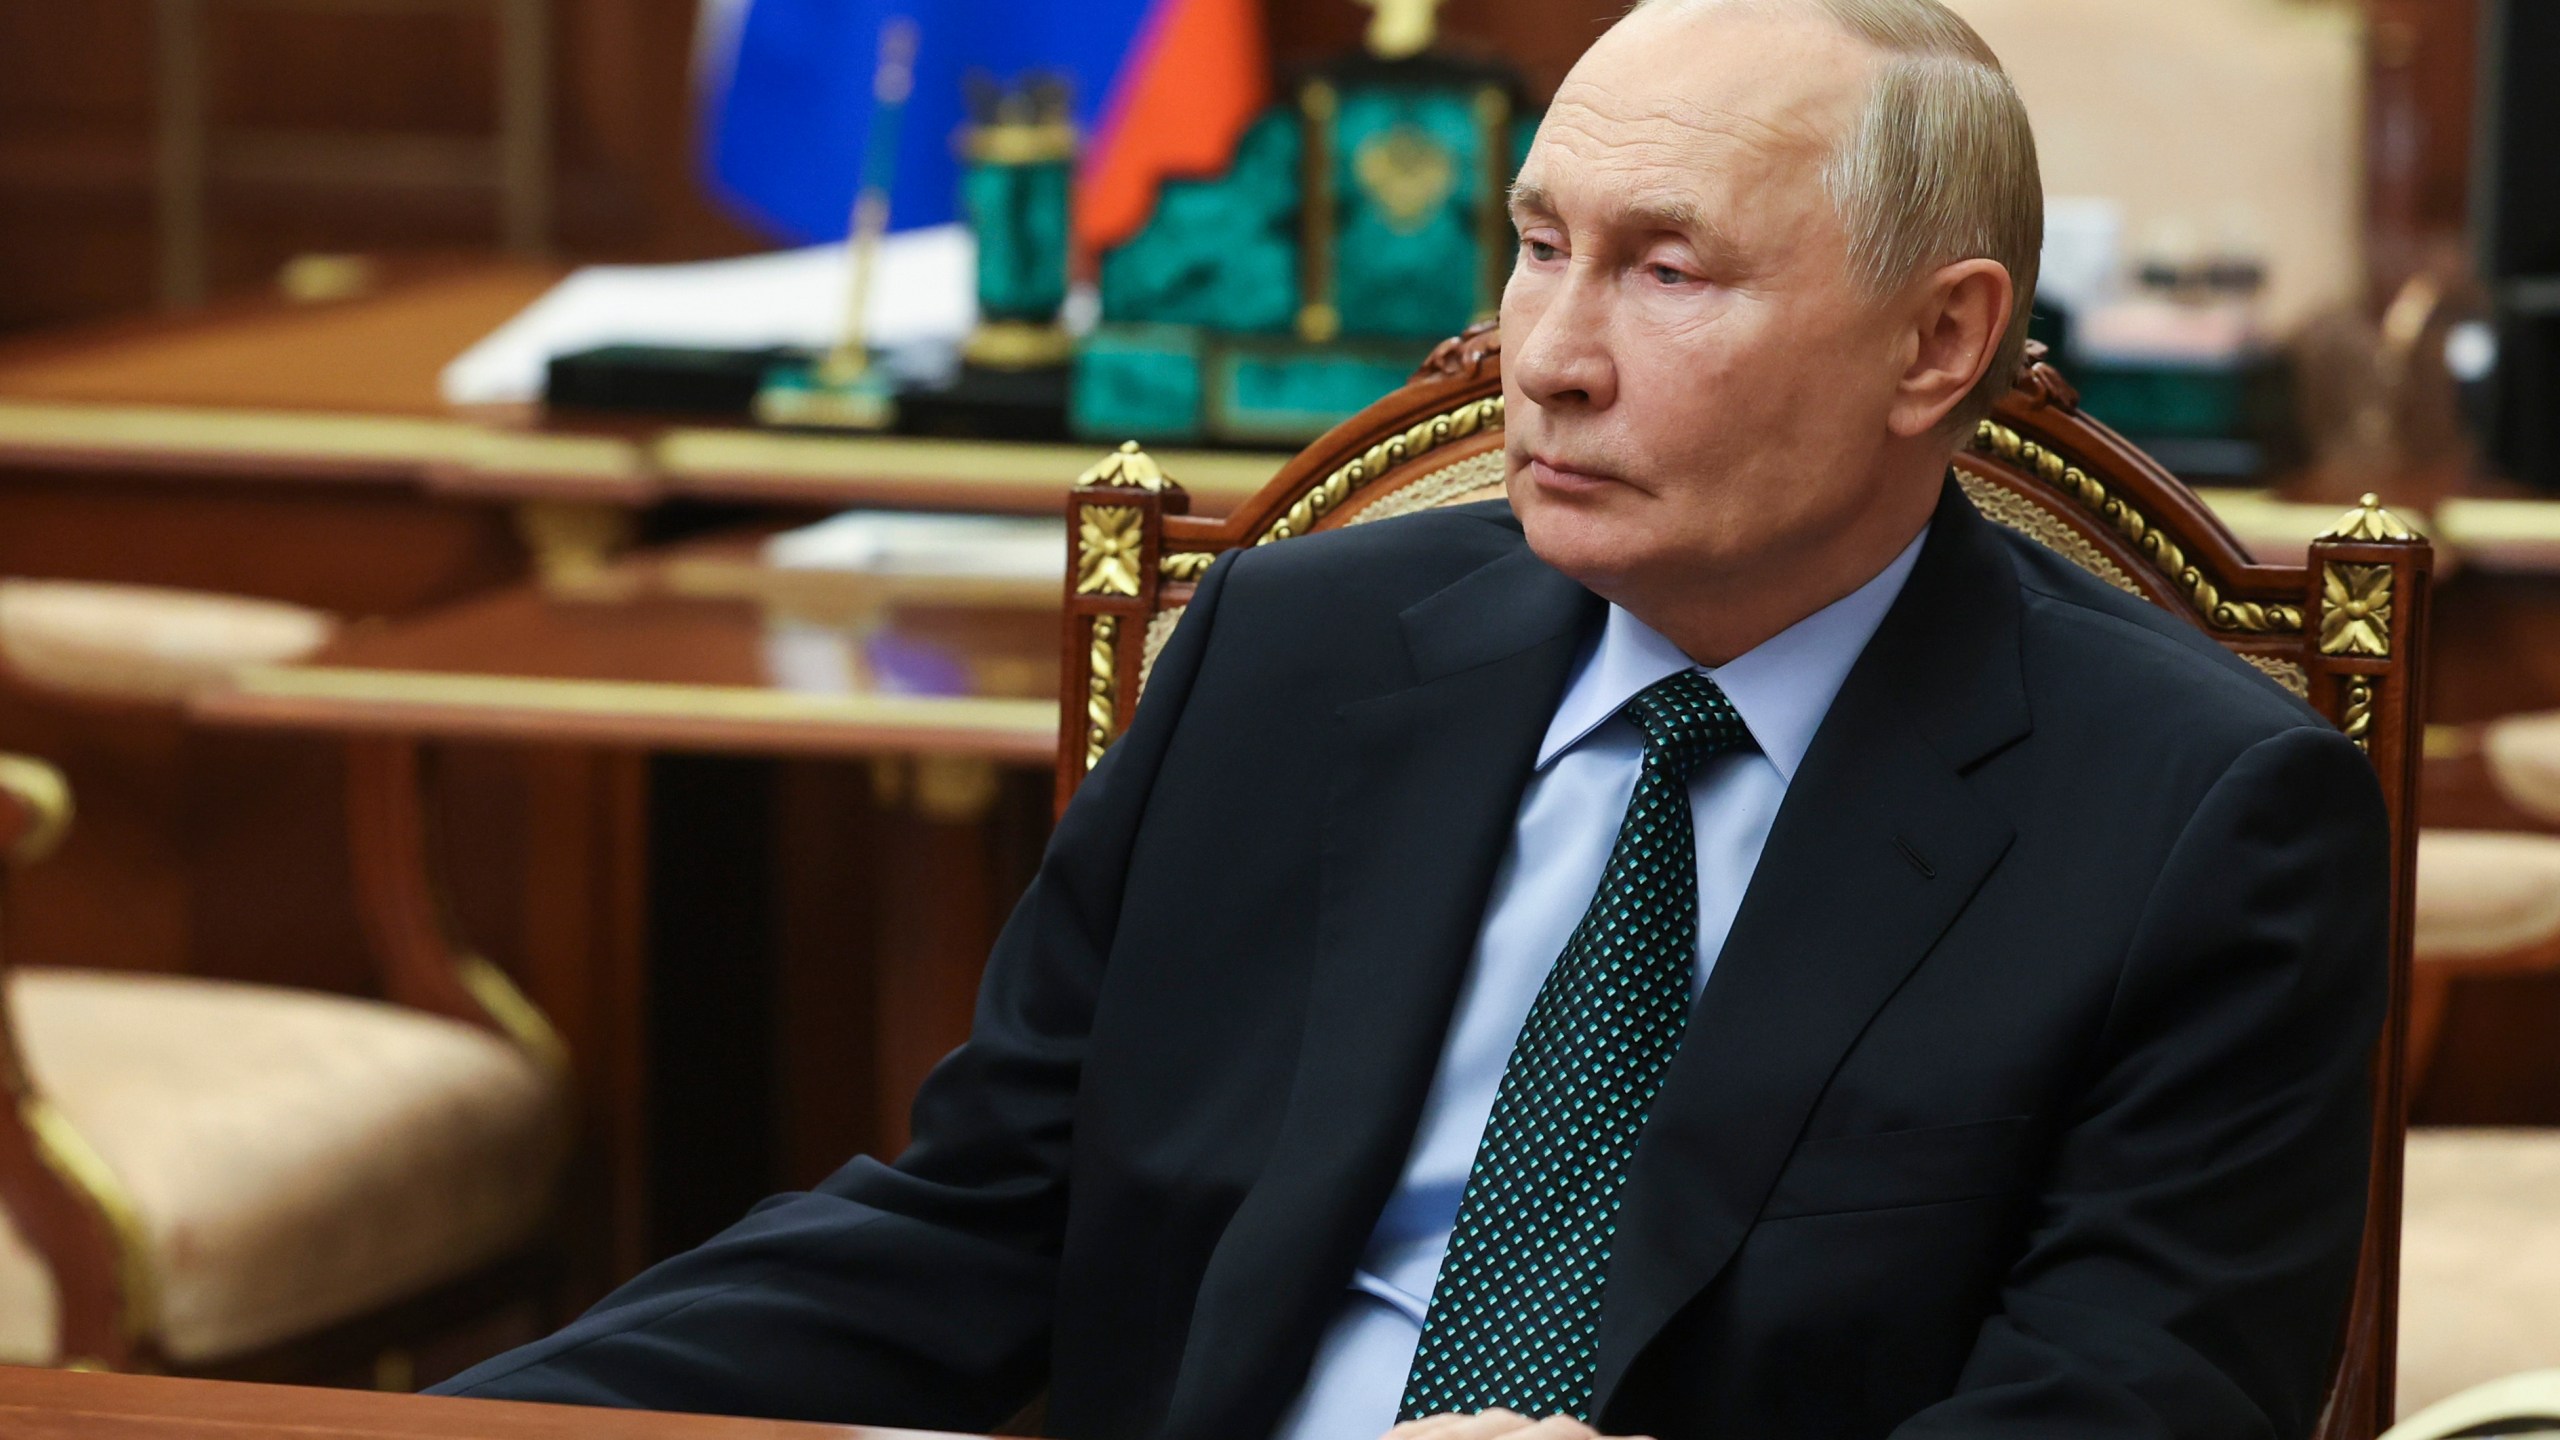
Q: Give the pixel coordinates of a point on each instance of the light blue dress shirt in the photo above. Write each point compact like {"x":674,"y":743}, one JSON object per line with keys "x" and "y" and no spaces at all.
{"x":1568,"y":820}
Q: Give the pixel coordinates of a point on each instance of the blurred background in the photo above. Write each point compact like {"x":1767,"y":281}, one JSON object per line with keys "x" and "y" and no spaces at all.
{"x":546,"y":514}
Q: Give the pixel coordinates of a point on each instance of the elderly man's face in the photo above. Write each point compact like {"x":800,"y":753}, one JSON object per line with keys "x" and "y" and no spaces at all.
{"x":1694,"y":380}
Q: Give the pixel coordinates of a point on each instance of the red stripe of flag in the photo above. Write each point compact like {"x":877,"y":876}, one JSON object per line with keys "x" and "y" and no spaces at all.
{"x":1198,"y":75}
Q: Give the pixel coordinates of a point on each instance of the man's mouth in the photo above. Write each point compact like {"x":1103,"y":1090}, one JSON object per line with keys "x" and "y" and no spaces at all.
{"x":1559,"y":474}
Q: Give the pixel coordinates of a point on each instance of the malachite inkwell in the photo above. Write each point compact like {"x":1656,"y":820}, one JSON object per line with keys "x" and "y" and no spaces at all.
{"x":1361,"y":220}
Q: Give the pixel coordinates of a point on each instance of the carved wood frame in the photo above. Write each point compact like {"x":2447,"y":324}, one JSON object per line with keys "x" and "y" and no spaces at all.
{"x":2343,"y":631}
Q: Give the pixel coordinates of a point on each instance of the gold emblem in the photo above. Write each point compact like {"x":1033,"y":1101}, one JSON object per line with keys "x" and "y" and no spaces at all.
{"x":1127,"y":468}
{"x":1108,"y":537}
{"x":1408,"y":174}
{"x":2369,"y":521}
{"x":2355,"y":616}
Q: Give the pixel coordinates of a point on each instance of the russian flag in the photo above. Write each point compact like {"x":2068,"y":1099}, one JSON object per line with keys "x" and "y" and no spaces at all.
{"x":1161,"y":88}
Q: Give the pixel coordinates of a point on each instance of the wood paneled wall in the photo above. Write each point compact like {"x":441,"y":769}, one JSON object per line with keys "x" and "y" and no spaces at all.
{"x":78,"y":110}
{"x":79,"y":113}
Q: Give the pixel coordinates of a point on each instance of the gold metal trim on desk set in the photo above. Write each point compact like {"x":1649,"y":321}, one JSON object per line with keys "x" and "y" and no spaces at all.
{"x":1018,"y":345}
{"x":1041,"y":142}
{"x":1318,"y":321}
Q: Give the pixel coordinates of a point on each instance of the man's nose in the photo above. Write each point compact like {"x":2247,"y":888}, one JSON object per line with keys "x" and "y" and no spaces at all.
{"x":1564,"y":361}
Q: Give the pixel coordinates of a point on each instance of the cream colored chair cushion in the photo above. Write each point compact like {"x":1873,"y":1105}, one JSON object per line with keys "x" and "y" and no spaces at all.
{"x":2479,"y":1260}
{"x":295,"y":1158}
{"x":2511,"y":1405}
{"x":2486,"y":892}
{"x":2524,"y":757}
{"x":143,"y":643}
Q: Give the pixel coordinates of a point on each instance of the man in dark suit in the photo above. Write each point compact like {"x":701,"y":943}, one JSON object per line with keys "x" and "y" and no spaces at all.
{"x":1730,"y":943}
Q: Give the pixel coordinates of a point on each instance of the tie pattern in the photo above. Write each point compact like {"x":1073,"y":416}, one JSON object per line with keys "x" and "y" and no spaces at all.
{"x":1515,"y":1316}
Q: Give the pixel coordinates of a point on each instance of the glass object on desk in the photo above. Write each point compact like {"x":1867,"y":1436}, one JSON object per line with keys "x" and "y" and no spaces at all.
{"x":1021,"y":151}
{"x":895,"y":603}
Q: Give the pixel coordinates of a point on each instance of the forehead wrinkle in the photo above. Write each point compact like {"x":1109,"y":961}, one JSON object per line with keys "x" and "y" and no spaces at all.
{"x":1701,"y":143}
{"x":1787,"y":112}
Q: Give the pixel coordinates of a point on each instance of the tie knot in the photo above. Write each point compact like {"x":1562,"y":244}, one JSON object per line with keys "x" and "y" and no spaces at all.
{"x":1685,"y":720}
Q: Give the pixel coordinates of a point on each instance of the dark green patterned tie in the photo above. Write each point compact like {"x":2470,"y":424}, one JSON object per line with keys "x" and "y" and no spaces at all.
{"x":1515,"y":1318}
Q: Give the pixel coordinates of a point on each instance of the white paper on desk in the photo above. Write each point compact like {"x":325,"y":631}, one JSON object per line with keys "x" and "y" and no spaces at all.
{"x":923,"y":293}
{"x":891,"y":542}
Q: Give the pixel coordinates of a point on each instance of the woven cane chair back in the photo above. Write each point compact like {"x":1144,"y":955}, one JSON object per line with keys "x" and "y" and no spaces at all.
{"x":2341,"y":631}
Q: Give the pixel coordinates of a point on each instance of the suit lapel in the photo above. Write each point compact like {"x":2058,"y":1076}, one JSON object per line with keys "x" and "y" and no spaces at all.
{"x":1424,"y":783}
{"x":1880,"y":843}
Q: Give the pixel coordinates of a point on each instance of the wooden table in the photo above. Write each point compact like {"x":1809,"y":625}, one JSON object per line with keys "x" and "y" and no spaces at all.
{"x":694,"y":646}
{"x":302,"y":453}
{"x":775,"y":821}
{"x":67,"y":1405}
{"x":346,"y":391}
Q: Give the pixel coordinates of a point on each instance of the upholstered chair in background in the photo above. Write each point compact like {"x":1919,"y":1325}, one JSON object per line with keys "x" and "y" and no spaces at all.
{"x":219,"y":1177}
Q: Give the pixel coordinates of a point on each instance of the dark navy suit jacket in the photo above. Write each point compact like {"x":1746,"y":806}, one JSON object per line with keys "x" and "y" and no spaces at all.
{"x":2028,"y":1096}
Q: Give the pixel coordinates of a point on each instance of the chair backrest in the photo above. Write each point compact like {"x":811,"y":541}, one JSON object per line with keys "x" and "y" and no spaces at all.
{"x":2343,"y":631}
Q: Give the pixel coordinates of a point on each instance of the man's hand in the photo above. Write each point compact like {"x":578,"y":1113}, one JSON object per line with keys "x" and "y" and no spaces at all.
{"x":1492,"y":1423}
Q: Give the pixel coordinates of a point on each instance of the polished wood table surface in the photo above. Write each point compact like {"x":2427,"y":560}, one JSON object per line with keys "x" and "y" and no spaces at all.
{"x":69,"y":1405}
{"x":781,"y":814}
{"x":346,"y":390}
{"x":694,"y":646}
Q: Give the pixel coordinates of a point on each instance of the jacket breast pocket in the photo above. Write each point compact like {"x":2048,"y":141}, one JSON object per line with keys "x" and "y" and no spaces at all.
{"x":1892,"y":1168}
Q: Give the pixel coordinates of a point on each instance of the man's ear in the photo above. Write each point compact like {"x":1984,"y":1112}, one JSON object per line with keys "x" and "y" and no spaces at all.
{"x":1958,"y":313}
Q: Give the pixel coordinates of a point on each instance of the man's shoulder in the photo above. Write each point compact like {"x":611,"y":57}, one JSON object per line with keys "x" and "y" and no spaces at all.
{"x":1454,"y":538}
{"x":1378,"y":567}
{"x":2114,"y":667}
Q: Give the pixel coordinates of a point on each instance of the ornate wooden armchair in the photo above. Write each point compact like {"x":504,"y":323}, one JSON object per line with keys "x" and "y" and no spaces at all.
{"x":247,"y":1180}
{"x":2341,"y":632}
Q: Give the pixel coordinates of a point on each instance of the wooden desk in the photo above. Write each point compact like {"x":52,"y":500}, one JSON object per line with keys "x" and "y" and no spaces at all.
{"x":754,"y":955}
{"x":638,"y":822}
{"x":301,"y":453}
{"x":346,"y":391}
{"x":640,"y":657}
{"x":67,"y":1405}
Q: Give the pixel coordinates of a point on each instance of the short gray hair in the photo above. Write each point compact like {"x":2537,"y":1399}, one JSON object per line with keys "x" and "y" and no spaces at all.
{"x":1940,"y":167}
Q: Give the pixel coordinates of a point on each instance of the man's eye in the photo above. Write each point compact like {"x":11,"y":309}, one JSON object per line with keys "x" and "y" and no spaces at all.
{"x":1666,"y":275}
{"x":1540,"y":250}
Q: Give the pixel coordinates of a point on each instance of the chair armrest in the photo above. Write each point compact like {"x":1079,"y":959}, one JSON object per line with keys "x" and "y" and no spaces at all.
{"x":35,"y":809}
{"x":423,"y":963}
{"x":55,"y":1190}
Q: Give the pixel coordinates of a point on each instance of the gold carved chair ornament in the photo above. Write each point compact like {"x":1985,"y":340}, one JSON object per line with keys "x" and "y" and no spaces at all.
{"x":246,"y":1180}
{"x":2342,"y":632}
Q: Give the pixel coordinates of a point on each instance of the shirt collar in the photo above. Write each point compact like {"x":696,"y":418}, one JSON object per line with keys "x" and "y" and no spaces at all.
{"x":1782,"y":687}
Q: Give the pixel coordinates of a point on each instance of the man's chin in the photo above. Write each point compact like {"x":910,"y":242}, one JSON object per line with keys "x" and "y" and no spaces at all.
{"x":1593,"y":548}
